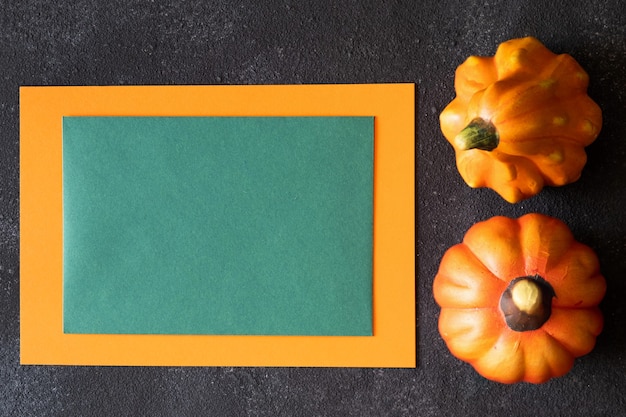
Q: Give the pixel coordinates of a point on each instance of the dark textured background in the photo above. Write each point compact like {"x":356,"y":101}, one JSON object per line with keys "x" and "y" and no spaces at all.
{"x":92,"y":42}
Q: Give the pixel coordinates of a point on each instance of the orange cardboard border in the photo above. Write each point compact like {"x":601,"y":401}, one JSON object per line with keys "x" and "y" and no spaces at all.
{"x":42,"y":339}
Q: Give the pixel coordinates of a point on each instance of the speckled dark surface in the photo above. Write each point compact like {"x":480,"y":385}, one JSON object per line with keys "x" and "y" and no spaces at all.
{"x":90,"y":42}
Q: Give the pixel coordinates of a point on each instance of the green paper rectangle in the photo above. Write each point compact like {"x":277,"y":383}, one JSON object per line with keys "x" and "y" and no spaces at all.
{"x":218,"y":225}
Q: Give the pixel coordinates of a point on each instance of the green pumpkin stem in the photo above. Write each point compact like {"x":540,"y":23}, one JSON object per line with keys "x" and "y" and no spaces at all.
{"x":478,"y":134}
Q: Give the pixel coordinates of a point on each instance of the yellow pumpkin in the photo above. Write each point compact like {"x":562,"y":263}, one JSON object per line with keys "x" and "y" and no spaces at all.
{"x":519,"y":298}
{"x":521,"y":119}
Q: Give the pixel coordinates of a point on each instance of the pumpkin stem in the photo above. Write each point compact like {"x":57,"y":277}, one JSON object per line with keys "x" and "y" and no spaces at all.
{"x":478,"y":134}
{"x":526,"y":296}
{"x":527,"y":303}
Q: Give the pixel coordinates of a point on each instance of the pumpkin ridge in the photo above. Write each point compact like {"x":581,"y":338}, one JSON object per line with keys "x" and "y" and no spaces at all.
{"x":530,"y":161}
{"x":564,"y":138}
{"x":466,"y":251}
{"x":566,"y":347}
{"x":543,"y":249}
{"x":503,"y":339}
{"x":592,"y":311}
{"x":550,"y":70}
{"x":576,"y":292}
{"x":481,"y":336}
{"x":582,"y":128}
{"x":471,"y":253}
{"x":482,"y":362}
{"x":567,"y":62}
{"x":511,"y":118}
{"x":553,"y":370}
{"x":511,"y":107}
{"x":554,"y":339}
{"x":589,"y":325}
{"x":559,"y":62}
{"x":578,"y":307}
{"x":486,"y":268}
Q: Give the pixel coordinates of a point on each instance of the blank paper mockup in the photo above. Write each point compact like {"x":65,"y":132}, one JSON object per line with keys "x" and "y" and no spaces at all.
{"x":218,"y":225}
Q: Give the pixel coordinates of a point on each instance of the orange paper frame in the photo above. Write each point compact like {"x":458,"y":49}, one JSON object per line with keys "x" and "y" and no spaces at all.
{"x":41,"y":242}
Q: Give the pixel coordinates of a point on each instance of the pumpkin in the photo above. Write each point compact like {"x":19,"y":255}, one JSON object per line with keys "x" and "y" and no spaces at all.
{"x":519,"y":298}
{"x":520,"y":119}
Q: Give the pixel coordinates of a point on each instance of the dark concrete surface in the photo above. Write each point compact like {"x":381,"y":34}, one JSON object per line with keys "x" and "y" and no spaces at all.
{"x":91,"y":42}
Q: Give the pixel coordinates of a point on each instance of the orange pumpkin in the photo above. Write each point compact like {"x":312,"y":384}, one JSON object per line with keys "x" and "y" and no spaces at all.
{"x":520,"y":119}
{"x":519,"y":298}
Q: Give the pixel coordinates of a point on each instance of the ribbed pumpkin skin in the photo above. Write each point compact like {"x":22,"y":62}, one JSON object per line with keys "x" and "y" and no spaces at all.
{"x":538,"y":103}
{"x":473,"y":275}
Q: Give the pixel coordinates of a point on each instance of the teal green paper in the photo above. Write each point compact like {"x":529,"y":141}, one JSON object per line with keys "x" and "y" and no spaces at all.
{"x":218,"y":225}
